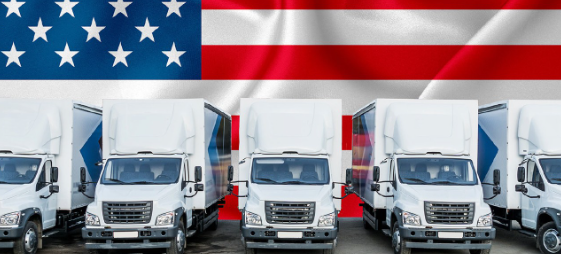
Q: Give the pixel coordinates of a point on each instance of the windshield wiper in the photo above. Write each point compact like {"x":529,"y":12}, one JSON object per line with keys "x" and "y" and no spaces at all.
{"x":117,"y":181}
{"x":141,"y":182}
{"x":440,"y":182}
{"x":266,"y":180}
{"x":295,"y":182}
{"x":556,"y":179}
{"x":1,"y":182}
{"x":415,"y":180}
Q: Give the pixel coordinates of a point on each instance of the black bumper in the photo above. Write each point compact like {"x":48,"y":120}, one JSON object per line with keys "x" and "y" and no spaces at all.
{"x":148,"y":238}
{"x":8,"y":236}
{"x":427,"y":238}
{"x":267,"y":238}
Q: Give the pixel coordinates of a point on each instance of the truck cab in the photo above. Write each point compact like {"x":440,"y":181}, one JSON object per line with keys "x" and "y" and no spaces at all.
{"x":290,"y":174}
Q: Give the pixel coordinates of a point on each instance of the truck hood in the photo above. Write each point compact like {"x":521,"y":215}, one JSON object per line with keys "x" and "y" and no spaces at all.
{"x":133,"y":192}
{"x":453,"y":193}
{"x":11,"y":190}
{"x":298,"y":193}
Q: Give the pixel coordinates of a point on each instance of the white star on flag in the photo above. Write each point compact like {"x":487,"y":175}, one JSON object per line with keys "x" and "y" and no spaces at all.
{"x":173,"y":7}
{"x":93,"y":31}
{"x":13,"y":7}
{"x":147,"y":30}
{"x":120,"y":7}
{"x":66,"y":7}
{"x":173,"y":55}
{"x":120,"y":56}
{"x":13,"y":55}
{"x":66,"y":55}
{"x":40,"y":31}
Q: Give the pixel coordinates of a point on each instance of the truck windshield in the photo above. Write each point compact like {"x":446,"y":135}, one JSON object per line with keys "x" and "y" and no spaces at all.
{"x":141,"y":171}
{"x":552,"y":170}
{"x":436,"y":171}
{"x":17,"y":170}
{"x":290,"y":171}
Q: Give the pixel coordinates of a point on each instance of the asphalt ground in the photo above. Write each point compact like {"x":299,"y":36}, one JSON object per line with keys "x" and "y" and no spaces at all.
{"x":353,"y":239}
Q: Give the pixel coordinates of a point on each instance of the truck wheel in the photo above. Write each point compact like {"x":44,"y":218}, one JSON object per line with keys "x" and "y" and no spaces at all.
{"x":28,"y":242}
{"x":398,"y":243}
{"x":330,"y":251}
{"x":486,"y":251}
{"x":248,"y":250}
{"x":178,"y":242}
{"x":548,"y":238}
{"x":214,"y":225}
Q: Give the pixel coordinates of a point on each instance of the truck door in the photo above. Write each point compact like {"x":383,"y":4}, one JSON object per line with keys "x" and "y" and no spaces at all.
{"x":188,"y":200}
{"x":389,"y":190}
{"x":48,"y":205}
{"x":536,"y":187}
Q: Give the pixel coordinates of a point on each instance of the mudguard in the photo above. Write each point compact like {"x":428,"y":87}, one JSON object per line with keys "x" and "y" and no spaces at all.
{"x":555,"y":215}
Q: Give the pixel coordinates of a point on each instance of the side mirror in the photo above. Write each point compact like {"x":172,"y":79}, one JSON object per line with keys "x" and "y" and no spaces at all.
{"x":497,"y":177}
{"x":521,"y":188}
{"x":375,"y":187}
{"x":82,"y":188}
{"x":521,"y":174}
{"x":349,"y":190}
{"x":349,"y":176}
{"x":230,"y":173}
{"x":496,"y":190}
{"x":198,"y":174}
{"x":53,"y":189}
{"x":54,"y":175}
{"x":99,"y":163}
{"x":199,"y":187}
{"x":83,"y":175}
{"x":376,"y":174}
{"x":230,"y":187}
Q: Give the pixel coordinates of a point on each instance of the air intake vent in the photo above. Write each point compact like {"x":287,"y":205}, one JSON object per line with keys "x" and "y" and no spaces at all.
{"x":449,"y":213}
{"x":290,"y":212}
{"x":127,"y":212}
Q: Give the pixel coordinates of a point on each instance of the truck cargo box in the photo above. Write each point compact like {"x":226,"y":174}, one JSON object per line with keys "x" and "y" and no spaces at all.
{"x":181,"y":126}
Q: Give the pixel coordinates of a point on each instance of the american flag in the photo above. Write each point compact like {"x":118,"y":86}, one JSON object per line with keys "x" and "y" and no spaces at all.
{"x":355,"y":50}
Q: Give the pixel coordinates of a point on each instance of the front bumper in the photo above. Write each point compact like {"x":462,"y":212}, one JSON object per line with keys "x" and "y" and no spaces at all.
{"x":428,"y":238}
{"x":8,"y":236}
{"x":267,"y":238}
{"x":148,"y":238}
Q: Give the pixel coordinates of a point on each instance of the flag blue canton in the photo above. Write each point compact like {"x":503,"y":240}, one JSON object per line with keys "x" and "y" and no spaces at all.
{"x":128,"y":47}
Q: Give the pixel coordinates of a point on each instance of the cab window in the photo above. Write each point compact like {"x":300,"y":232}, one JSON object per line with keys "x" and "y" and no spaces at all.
{"x":534,"y":177}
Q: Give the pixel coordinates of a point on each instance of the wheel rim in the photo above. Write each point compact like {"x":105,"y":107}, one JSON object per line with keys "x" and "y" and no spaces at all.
{"x":396,"y":241}
{"x":30,"y":240}
{"x":551,"y":240}
{"x":180,"y":240}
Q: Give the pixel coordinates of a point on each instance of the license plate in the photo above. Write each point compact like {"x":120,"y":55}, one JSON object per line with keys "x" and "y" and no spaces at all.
{"x":290,"y":234}
{"x":451,"y":235}
{"x":125,"y":234}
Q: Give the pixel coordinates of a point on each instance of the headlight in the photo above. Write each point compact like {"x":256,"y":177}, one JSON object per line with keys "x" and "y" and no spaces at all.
{"x":252,"y":219}
{"x":165,"y":219}
{"x":92,"y":220}
{"x":411,"y":219}
{"x":327,"y":220}
{"x":10,"y":219}
{"x":485,"y":221}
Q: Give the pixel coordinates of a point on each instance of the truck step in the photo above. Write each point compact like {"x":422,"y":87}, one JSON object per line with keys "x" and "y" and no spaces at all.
{"x":50,"y":233}
{"x":190,"y":233}
{"x":387,"y":232}
{"x":528,"y":233}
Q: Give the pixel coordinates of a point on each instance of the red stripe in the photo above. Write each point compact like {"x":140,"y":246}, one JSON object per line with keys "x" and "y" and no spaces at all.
{"x":380,"y":4}
{"x":381,"y":62}
{"x":350,"y":206}
{"x":230,"y":209}
{"x":347,"y":132}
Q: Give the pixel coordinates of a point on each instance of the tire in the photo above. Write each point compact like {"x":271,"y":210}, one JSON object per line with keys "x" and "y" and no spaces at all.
{"x":214,"y":225}
{"x":29,"y":241}
{"x":331,"y":251}
{"x":179,"y":242}
{"x":398,"y":244}
{"x":486,"y":251}
{"x":248,"y":250}
{"x":365,"y":224}
{"x":549,"y":241}
{"x":96,"y":251}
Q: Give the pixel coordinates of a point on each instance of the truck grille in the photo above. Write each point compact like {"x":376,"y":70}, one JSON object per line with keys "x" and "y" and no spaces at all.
{"x":290,"y":212}
{"x":127,"y":212}
{"x":449,"y":213}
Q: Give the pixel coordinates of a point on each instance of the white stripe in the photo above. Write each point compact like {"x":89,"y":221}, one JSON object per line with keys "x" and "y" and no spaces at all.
{"x":381,"y":27}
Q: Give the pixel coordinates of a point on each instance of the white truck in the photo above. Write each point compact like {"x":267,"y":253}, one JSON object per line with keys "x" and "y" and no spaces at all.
{"x":290,"y":152}
{"x":521,"y":141}
{"x":164,"y":176}
{"x":43,"y":146}
{"x":413,"y":166}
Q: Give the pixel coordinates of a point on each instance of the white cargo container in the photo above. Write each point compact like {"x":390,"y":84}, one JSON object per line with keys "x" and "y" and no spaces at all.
{"x":413,"y":166}
{"x":165,"y":165}
{"x":521,"y":141}
{"x":43,"y":146}
{"x":290,"y":152}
